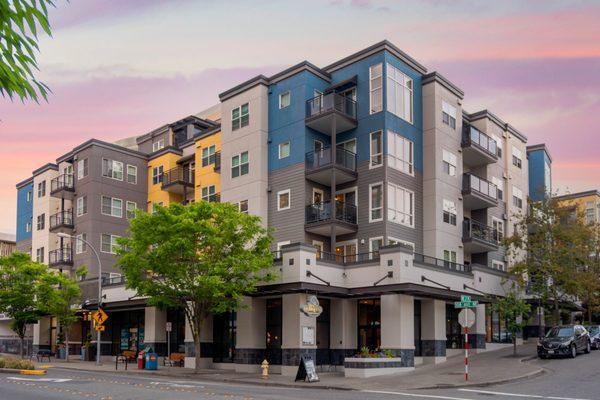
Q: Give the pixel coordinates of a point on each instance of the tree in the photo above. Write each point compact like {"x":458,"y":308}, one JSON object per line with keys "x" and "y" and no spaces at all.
{"x":511,"y":309}
{"x":203,"y":258}
{"x":20,"y":21}
{"x":19,"y":291}
{"x":588,"y":274}
{"x":59,"y":295}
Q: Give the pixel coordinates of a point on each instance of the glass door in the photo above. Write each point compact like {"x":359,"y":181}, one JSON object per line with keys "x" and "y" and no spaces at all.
{"x":369,"y":324}
{"x":346,"y":252}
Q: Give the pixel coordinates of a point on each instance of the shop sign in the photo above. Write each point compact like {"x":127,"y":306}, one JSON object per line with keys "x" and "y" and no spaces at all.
{"x":312,"y":308}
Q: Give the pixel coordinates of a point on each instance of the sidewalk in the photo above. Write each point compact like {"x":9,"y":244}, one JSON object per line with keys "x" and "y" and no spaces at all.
{"x":485,"y":369}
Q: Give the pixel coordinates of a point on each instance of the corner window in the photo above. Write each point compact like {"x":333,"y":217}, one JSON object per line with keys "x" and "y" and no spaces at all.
{"x":284,"y":99}
{"x":240,"y":117}
{"x":112,"y":169}
{"x":375,"y":88}
{"x":209,"y":155}
{"x":108,"y":243}
{"x":400,"y":153}
{"x":283,"y":200}
{"x":376,"y":202}
{"x":399,"y":93}
{"x":158,"y":145}
{"x":82,"y":168}
{"x":449,"y":163}
{"x":157,"y":174}
{"x":449,"y":115}
{"x":401,"y":205}
{"x":449,"y":212}
{"x":240,"y":165}
{"x":131,"y":174}
{"x":81,"y":206}
{"x":376,"y":149}
{"x":284,"y":150}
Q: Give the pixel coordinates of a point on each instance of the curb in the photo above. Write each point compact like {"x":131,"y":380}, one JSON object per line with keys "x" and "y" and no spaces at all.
{"x":32,"y":372}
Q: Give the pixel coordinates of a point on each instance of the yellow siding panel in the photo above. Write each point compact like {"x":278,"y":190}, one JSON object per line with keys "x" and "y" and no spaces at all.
{"x":206,"y":176}
{"x":155,"y":193}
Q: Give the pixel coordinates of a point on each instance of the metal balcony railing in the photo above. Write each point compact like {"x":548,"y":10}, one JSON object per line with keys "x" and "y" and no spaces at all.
{"x":61,"y":218}
{"x":443,"y":264}
{"x":322,"y":158}
{"x":474,"y":183}
{"x":476,"y":230}
{"x":178,"y":175}
{"x":331,"y":102}
{"x":473,"y":137}
{"x":62,"y":182}
{"x":62,"y":256}
{"x":320,"y":212}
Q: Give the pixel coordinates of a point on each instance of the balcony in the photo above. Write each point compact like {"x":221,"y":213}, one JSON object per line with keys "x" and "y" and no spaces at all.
{"x":319,"y":164}
{"x":479,"y":238}
{"x":331,"y":112}
{"x":63,"y":186}
{"x":319,"y":218}
{"x":478,"y":148}
{"x":441,"y":264}
{"x":478,"y":193}
{"x":62,"y":222}
{"x":60,"y":257}
{"x":177,"y":179}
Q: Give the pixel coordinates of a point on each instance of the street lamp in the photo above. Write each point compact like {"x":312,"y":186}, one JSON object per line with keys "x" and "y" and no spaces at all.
{"x":67,"y":236}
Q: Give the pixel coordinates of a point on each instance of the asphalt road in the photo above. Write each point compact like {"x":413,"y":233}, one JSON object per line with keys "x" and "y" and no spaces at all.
{"x":566,"y":379}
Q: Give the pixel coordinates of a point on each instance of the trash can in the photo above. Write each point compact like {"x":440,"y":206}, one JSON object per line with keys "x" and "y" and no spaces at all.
{"x":140,"y":359}
{"x":152,"y":361}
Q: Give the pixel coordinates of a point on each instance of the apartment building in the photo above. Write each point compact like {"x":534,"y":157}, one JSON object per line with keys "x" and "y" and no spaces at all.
{"x":540,"y":171}
{"x":387,"y":200}
{"x":587,"y":203}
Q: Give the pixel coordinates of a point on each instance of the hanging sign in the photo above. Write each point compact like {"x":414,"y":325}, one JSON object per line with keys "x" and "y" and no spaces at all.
{"x":312,"y":308}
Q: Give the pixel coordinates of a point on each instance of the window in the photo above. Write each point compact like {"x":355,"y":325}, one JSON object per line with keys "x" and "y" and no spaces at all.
{"x":399,"y":93}
{"x":209,"y":193}
{"x":319,"y":246}
{"x":500,"y":187}
{"x":498,"y":228}
{"x":449,"y":212}
{"x":80,"y":246}
{"x":498,"y":144}
{"x":112,"y":169}
{"x":81,"y":206}
{"x":29,"y":196}
{"x":499,"y":265}
{"x":239,"y":165}
{"x":39,"y":255}
{"x":449,"y":257}
{"x":157,"y":174}
{"x":376,"y":88}
{"x":401,"y":205}
{"x":283,"y":200}
{"x":41,"y":189}
{"x":159,"y":144}
{"x":517,"y":156}
{"x":108,"y":243}
{"x":517,"y":197}
{"x":376,"y":202}
{"x":28,"y":227}
{"x":130,"y":208}
{"x":284,"y":99}
{"x":82,"y":168}
{"x":376,"y":149}
{"x":449,"y":115}
{"x":112,"y":206}
{"x":131,"y":174}
{"x":41,"y":222}
{"x":284,"y":150}
{"x":449,"y":163}
{"x":590,"y":213}
{"x":209,"y":155}
{"x":243,"y":206}
{"x":374,"y":245}
{"x":400,"y":153}
{"x":240,"y":117}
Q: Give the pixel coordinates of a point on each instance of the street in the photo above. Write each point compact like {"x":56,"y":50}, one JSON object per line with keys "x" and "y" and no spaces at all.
{"x":566,"y":379}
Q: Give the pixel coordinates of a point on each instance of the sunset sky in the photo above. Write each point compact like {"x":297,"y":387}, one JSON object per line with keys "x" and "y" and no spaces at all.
{"x":119,"y":68}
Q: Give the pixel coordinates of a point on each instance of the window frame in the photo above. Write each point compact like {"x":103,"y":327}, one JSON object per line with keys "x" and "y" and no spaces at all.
{"x":112,"y":243}
{"x":112,"y":169}
{"x":129,"y":214}
{"x":279,"y":147}
{"x":289,"y":97}
{"x":239,"y":206}
{"x":517,"y":201}
{"x":83,"y":207}
{"x":135,"y":169}
{"x":371,"y":240}
{"x":41,"y":222}
{"x":496,"y":263}
{"x":382,"y":207}
{"x":80,"y":246}
{"x":451,"y":119}
{"x":517,"y":159}
{"x":208,"y":195}
{"x":289,"y":196}
{"x":373,"y":89}
{"x":379,"y":154}
{"x":158,"y":145}
{"x":404,"y":87}
{"x":82,"y":168}
{"x":411,"y":215}
{"x":392,"y":156}
{"x":240,"y":116}
{"x":240,"y":164}
{"x":157,"y":176}
{"x":451,"y":216}
{"x":501,"y":233}
{"x":451,"y":167}
{"x":41,"y":189}
{"x":112,"y":206}
{"x":209,"y":158}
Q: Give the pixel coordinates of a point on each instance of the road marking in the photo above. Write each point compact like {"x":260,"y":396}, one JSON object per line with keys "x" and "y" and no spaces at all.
{"x":54,"y":380}
{"x":531,"y":396}
{"x":177,"y":384}
{"x":426,"y":396}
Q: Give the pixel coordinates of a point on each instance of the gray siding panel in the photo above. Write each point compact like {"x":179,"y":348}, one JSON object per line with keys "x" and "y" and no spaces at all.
{"x":414,"y":235}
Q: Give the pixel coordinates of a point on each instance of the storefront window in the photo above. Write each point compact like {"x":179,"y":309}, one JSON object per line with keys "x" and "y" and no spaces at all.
{"x":177,"y":336}
{"x":224,"y":331}
{"x":454,"y":335}
{"x":274,"y":331}
{"x":496,"y":327}
{"x":369,"y":324}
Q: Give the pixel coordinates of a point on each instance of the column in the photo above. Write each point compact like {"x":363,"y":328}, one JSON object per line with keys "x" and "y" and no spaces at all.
{"x":398,"y":327}
{"x":478,"y":330}
{"x":41,"y":334}
{"x":206,"y":338}
{"x":343,"y":329}
{"x":250,"y":335}
{"x":155,"y":335}
{"x":433,"y":331}
{"x":299,"y":333}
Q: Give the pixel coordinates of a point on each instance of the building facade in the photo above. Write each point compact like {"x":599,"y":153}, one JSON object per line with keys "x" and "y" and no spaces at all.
{"x":540,"y":172}
{"x":387,"y":200}
{"x":586,"y":203}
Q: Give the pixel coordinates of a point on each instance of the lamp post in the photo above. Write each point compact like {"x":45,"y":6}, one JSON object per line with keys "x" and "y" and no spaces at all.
{"x":67,"y":236}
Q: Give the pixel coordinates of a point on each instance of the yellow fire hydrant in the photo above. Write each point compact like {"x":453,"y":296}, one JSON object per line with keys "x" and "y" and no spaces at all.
{"x":265,"y":369}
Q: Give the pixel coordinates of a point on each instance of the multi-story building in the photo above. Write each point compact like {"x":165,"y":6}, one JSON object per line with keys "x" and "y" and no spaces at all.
{"x":540,"y":172}
{"x":387,"y":200}
{"x":586,"y":203}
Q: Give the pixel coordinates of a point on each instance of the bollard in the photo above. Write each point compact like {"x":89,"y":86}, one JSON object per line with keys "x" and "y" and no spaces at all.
{"x":265,"y":369}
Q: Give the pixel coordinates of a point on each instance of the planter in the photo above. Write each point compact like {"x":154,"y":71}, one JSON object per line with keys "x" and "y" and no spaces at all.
{"x":62,"y":353}
{"x":356,"y":367}
{"x":83,"y":353}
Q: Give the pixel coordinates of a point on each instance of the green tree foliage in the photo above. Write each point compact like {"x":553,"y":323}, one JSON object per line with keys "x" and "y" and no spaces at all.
{"x":512,"y":309}
{"x":203,"y":258}
{"x":20,"y":23}
{"x":588,"y":274}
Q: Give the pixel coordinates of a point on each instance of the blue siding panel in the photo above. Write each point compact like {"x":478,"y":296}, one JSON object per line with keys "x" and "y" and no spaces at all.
{"x":24,"y":211}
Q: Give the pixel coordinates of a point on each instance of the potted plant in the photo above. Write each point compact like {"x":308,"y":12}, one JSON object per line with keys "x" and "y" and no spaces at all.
{"x":86,"y":346}
{"x":60,"y":342}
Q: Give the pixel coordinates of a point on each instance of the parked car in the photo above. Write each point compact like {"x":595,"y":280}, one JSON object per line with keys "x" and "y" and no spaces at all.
{"x":564,"y":340}
{"x":594,"y":331}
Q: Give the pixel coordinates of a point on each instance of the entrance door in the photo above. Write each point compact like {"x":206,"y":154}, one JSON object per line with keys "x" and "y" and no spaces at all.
{"x":274,"y":331}
{"x":418,"y":349}
{"x":323,"y":327}
{"x":346,"y":251}
{"x":369,"y":324}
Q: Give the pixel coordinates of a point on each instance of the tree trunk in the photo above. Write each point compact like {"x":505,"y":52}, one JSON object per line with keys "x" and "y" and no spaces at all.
{"x":21,"y":347}
{"x":198,"y":328}
{"x":197,"y":354}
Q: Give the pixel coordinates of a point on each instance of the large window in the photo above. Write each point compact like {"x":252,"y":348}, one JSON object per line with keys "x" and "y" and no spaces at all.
{"x":399,"y":93}
{"x":449,"y":216}
{"x":369,"y":324}
{"x":108,"y":243}
{"x":449,"y":163}
{"x":82,"y":168}
{"x":517,"y":197}
{"x":400,"y":153}
{"x":376,"y":158}
{"x":80,"y":245}
{"x":401,"y":205}
{"x":240,"y":165}
{"x":517,"y":157}
{"x":284,"y":99}
{"x":131,"y":174}
{"x":283,"y":200}
{"x":157,"y":174}
{"x":209,"y":155}
{"x":449,"y":114}
{"x":112,"y":169}
{"x":240,"y":117}
{"x":81,"y":205}
{"x":376,"y":88}
{"x":376,"y":202}
{"x":112,"y":206}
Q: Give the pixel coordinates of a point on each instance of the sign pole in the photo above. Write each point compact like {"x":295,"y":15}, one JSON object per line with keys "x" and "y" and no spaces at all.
{"x":466,"y":348}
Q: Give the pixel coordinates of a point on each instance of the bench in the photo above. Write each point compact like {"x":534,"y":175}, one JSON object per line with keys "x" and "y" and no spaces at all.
{"x":125,"y":357}
{"x":175,"y":359}
{"x":43,"y":353}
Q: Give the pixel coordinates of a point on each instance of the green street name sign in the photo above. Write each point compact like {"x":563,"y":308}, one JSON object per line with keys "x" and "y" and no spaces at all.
{"x":466,"y":304}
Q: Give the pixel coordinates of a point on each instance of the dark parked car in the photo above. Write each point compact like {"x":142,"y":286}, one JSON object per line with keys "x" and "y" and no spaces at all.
{"x":594,"y":331}
{"x":565,"y":340}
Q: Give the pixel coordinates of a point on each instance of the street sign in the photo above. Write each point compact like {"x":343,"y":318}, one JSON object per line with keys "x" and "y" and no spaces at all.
{"x":99,"y":328}
{"x":99,"y":317}
{"x":464,"y":298}
{"x":169,"y":327}
{"x":466,"y":320}
{"x":466,"y":304}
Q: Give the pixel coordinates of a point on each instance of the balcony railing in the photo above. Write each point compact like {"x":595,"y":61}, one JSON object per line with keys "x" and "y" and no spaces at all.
{"x":476,"y":230}
{"x":62,"y":218}
{"x":331,"y":102}
{"x":62,"y":256}
{"x":348,"y":259}
{"x":323,"y":158}
{"x":442,"y":264}
{"x":474,"y":183}
{"x":62,"y":182}
{"x":320,"y":212}
{"x":178,"y":175}
{"x":473,"y":137}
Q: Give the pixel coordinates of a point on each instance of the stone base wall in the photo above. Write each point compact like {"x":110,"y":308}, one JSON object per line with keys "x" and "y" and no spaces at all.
{"x":433,"y":348}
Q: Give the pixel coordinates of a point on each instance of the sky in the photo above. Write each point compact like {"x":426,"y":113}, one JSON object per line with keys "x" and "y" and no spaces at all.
{"x":119,"y":68}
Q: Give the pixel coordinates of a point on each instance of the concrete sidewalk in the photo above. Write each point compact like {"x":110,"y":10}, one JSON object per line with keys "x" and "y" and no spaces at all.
{"x":486,"y":369}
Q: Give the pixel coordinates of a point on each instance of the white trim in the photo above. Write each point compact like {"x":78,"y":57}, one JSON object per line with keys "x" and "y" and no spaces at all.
{"x":499,"y":265}
{"x":371,"y":112}
{"x":407,"y":166}
{"x":405,"y":242}
{"x":371,"y":166}
{"x":412,"y":205}
{"x":408,"y":118}
{"x":135,"y":168}
{"x":281,"y":244}
{"x":289,"y":93}
{"x":112,"y":199}
{"x":289,"y":193}
{"x":158,"y":145}
{"x":289,"y":143}
{"x":371,"y":204}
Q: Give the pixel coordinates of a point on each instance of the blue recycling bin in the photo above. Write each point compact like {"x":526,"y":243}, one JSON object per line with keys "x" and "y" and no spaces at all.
{"x":152,"y":361}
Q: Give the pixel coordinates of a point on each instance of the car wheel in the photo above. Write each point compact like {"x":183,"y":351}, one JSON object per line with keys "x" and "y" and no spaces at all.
{"x":588,"y":348}
{"x":573,"y":351}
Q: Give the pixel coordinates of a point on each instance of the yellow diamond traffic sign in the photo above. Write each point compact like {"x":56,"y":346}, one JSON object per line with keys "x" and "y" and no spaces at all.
{"x":99,"y":317}
{"x":99,"y":328}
